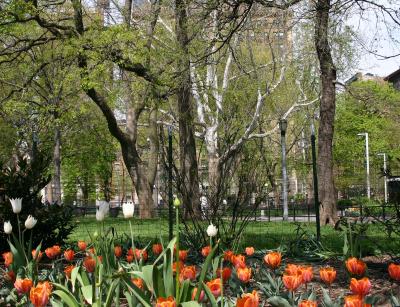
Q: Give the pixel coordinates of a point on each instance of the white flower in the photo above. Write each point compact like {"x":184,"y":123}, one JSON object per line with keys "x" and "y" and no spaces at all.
{"x":128,"y":209}
{"x":104,"y":207}
{"x":100,"y":215}
{"x":212,"y":230}
{"x":16,"y":204}
{"x":30,"y":222}
{"x":7,"y":227}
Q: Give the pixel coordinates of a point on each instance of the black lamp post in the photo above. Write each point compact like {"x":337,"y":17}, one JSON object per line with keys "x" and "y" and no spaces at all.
{"x":315,"y":181}
{"x":283,"y":127}
{"x":170,"y":195}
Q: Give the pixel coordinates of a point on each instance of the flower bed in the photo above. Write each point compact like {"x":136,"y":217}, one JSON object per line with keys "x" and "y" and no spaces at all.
{"x":103,"y":272}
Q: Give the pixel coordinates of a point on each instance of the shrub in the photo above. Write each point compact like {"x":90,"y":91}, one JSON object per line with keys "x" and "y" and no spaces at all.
{"x":25,"y":179}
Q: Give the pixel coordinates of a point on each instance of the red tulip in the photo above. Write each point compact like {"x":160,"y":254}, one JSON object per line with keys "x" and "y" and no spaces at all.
{"x":248,"y":300}
{"x":40,"y":294}
{"x":118,"y":251}
{"x":225,"y":274}
{"x":249,"y":250}
{"x":215,"y":286}
{"x":394,"y":271}
{"x":244,"y":274}
{"x":361,"y":286}
{"x":8,"y":258}
{"x":69,"y":255}
{"x":292,"y":282}
{"x":157,"y":249}
{"x":355,"y":266}
{"x":206,"y":250}
{"x":328,"y":275}
{"x":23,"y":285}
{"x":273,"y":259}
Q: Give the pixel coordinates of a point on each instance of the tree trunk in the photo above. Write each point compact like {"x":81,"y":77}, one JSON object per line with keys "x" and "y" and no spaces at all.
{"x":56,"y":180}
{"x":326,"y":188}
{"x":187,"y":144}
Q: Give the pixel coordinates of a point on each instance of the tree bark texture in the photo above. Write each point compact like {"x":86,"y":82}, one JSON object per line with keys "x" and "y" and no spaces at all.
{"x":187,"y":144}
{"x":327,"y":192}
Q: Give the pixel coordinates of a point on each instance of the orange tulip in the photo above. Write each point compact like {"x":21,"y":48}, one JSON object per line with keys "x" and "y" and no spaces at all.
{"x":166,"y":302}
{"x":82,"y":245}
{"x":361,"y":286}
{"x":8,"y":258}
{"x":328,"y":275}
{"x":356,"y":266}
{"x":273,"y":259}
{"x":69,"y":255}
{"x":248,"y":300}
{"x":157,"y":249}
{"x":243,"y":274}
{"x":206,"y":250}
{"x":292,"y":269}
{"x":23,"y":285}
{"x":180,"y":266}
{"x":307,"y":303}
{"x":183,"y":255}
{"x":354,"y":301}
{"x":306,"y":274}
{"x":239,"y":261}
{"x":138,"y":282}
{"x":394,"y":271}
{"x":40,"y":294}
{"x":67,"y":270}
{"x":228,"y":256}
{"x":141,"y":254}
{"x":53,"y":252}
{"x":215,"y":286}
{"x":201,"y":297}
{"x":129,"y":258}
{"x":38,"y":256}
{"x":91,"y":251}
{"x":118,"y":251}
{"x":249,"y":250}
{"x":292,"y":282}
{"x":225,"y":273}
{"x":90,"y":264}
{"x":188,"y":272}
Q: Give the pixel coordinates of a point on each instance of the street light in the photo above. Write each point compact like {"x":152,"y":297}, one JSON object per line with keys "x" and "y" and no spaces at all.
{"x":367,"y":161}
{"x":283,"y":127}
{"x":385,"y":175}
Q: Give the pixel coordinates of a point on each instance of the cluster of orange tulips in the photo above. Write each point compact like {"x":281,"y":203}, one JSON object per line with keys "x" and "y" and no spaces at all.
{"x":293,"y":277}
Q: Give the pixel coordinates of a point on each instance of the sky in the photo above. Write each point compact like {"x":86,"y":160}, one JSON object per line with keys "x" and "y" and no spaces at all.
{"x":377,"y":33}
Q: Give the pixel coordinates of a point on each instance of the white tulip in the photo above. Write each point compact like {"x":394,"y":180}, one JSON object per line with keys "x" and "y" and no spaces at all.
{"x":16,"y":204}
{"x":104,"y":207}
{"x":30,"y":222}
{"x":100,"y":215}
{"x":7,"y":227}
{"x":128,"y":210}
{"x":212,"y":230}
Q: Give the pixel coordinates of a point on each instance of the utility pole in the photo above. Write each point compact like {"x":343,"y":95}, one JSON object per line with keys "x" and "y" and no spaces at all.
{"x":283,"y":127}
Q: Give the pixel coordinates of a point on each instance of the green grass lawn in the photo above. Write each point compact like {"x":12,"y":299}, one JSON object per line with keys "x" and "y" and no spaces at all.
{"x":260,"y":234}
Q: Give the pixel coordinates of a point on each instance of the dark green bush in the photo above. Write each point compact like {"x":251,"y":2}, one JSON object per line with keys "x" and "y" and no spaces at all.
{"x":26,"y":178}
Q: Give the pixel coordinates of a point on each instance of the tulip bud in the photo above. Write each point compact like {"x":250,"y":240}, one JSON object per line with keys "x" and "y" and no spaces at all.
{"x":30,"y":222}
{"x":128,"y":210}
{"x":212,"y":230}
{"x":177,"y":202}
{"x":100,"y":215}
{"x":16,"y":204}
{"x":7,"y":227}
